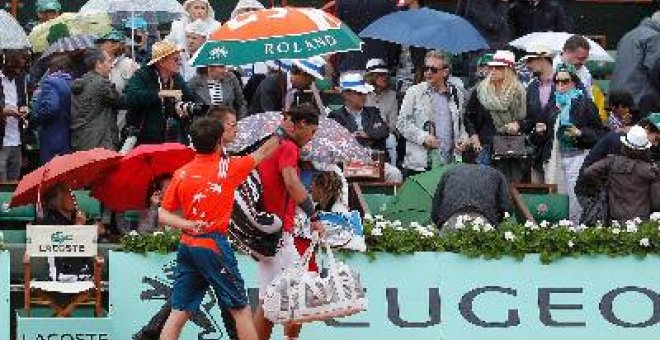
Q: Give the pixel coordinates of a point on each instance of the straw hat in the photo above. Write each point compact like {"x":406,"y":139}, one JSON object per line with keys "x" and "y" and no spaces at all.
{"x":636,"y":138}
{"x":162,"y":49}
{"x":503,"y":58}
{"x":354,"y":82}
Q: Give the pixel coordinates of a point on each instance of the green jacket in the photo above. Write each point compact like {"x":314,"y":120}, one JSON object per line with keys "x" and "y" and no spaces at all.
{"x":147,"y":114}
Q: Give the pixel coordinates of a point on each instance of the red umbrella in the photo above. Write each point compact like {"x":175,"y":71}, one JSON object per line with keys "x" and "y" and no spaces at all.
{"x":127,"y":186}
{"x":76,"y":170}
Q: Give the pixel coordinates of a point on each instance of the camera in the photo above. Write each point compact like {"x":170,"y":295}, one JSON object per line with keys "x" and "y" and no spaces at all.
{"x":190,"y":109}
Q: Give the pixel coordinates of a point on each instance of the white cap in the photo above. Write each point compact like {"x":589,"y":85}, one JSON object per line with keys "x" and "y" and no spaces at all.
{"x":377,"y":66}
{"x":503,"y":58}
{"x":312,"y":66}
{"x":354,"y":82}
{"x":537,"y":50}
{"x":636,"y":138}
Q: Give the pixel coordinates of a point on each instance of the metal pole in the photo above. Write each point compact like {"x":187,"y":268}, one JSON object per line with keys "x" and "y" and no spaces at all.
{"x":133,"y":34}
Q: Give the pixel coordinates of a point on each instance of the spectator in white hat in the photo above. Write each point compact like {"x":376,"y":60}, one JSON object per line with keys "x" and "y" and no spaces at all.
{"x":195,"y":10}
{"x":629,"y":175}
{"x":365,"y":122}
{"x":385,"y":99}
{"x":497,"y":107}
{"x":196,"y":33}
{"x":431,"y":118}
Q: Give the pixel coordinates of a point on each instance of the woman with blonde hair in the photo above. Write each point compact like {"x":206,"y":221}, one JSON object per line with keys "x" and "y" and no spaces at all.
{"x":497,"y":107}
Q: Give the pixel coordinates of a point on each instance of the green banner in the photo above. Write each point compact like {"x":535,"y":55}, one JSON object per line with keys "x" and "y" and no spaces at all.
{"x":236,"y":53}
{"x":436,"y":296}
{"x":4,"y":295}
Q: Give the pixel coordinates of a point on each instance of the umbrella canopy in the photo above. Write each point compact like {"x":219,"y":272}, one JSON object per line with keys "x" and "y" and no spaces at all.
{"x":332,"y":143}
{"x":414,"y":201}
{"x":76,"y":170}
{"x":126,"y":187}
{"x":12,"y":35}
{"x":72,"y":24}
{"x":555,"y":42}
{"x":276,"y":33}
{"x":427,"y":28}
{"x":68,"y":44}
{"x":154,"y":11}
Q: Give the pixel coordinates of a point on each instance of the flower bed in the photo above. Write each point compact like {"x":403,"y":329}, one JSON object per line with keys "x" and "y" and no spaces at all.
{"x":476,"y":238}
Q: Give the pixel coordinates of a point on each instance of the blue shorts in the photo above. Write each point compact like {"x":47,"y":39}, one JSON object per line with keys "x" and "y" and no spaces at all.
{"x":203,"y":261}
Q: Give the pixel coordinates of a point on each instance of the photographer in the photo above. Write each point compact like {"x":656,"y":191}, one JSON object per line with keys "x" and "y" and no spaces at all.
{"x":157,"y":98}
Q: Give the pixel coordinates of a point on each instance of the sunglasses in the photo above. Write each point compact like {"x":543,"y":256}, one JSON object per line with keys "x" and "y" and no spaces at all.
{"x":563,"y":81}
{"x":434,"y":69}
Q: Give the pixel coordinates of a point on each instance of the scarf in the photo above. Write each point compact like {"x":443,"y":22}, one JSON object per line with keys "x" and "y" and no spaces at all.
{"x":504,"y":107}
{"x":564,"y":101}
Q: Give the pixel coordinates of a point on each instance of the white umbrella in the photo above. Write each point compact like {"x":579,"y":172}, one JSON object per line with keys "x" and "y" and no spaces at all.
{"x":12,"y":35}
{"x":555,"y":42}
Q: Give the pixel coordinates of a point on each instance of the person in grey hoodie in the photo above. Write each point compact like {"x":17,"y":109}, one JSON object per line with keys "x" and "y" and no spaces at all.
{"x":637,"y":54}
{"x":94,"y":105}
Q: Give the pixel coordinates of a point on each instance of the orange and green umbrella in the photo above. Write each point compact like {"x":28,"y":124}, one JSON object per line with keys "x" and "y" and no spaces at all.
{"x":276,"y":33}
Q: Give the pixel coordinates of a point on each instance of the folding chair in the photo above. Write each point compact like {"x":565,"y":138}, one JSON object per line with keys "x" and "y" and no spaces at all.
{"x":62,"y":297}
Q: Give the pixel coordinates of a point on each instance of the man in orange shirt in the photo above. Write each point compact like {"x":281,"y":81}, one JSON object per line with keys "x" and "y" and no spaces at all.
{"x":203,"y":190}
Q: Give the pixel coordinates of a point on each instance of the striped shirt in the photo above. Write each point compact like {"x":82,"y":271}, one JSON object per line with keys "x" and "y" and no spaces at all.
{"x":215,"y":89}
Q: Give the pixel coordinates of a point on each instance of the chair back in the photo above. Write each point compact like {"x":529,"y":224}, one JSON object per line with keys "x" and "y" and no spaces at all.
{"x":61,"y":241}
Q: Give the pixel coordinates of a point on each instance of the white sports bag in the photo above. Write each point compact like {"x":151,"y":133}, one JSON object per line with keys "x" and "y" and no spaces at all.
{"x":299,"y":296}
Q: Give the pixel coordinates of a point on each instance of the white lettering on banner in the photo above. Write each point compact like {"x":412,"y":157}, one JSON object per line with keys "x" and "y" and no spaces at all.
{"x":297,"y":47}
{"x":61,"y":240}
{"x":66,"y":336}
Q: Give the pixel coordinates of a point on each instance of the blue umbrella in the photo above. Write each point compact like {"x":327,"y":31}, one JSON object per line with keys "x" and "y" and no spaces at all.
{"x":72,"y":43}
{"x":427,"y":28}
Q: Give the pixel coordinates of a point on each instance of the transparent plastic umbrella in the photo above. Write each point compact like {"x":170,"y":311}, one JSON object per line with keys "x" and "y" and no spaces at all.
{"x":12,"y":35}
{"x":153,"y":11}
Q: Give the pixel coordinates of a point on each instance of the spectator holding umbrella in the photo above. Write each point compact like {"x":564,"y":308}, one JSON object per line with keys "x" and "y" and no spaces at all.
{"x":94,"y":105}
{"x":53,"y":110}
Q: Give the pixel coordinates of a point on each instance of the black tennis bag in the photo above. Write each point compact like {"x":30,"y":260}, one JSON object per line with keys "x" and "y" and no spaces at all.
{"x":252,"y":230}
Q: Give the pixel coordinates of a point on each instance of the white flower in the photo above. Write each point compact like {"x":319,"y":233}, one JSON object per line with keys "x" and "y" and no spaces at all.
{"x":544,"y":224}
{"x":156,"y":233}
{"x":530,"y":225}
{"x":368,"y":217}
{"x":396,"y":223}
{"x":571,"y":244}
{"x":459,"y":225}
{"x":379,"y":217}
{"x":637,"y":220}
{"x":133,"y":233}
{"x":581,"y":227}
{"x":414,"y":224}
{"x":565,"y":223}
{"x":475,"y":227}
{"x":478,"y":221}
{"x":655,"y":216}
{"x":465,"y":218}
{"x":381,"y":224}
{"x":506,"y":215}
{"x":631,"y":227}
{"x":645,"y":242}
{"x":616,"y":231}
{"x":572,"y":229}
{"x":509,"y":236}
{"x":399,"y":228}
{"x":376,"y":232}
{"x":488,"y":227}
{"x":615,"y":224}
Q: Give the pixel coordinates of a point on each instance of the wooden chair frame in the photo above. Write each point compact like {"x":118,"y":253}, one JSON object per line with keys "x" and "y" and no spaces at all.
{"x":516,"y":189}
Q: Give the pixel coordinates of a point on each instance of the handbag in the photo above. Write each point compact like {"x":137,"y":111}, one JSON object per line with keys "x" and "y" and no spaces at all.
{"x":299,"y":296}
{"x":253,"y":231}
{"x":509,"y":146}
